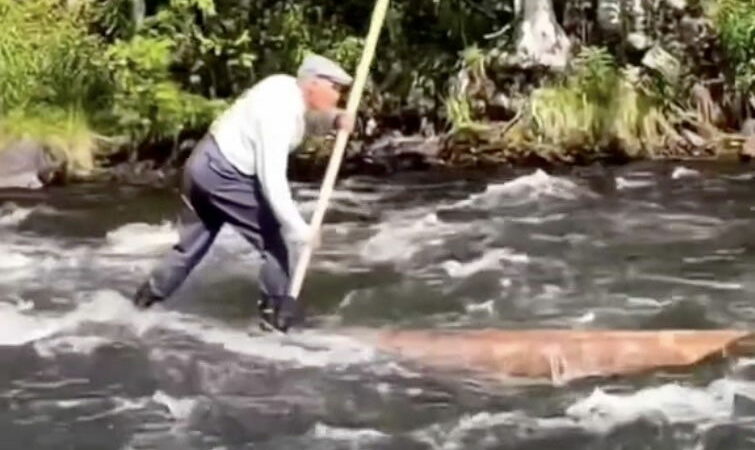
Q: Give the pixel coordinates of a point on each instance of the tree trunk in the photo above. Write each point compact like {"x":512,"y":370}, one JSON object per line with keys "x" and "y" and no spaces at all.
{"x":542,"y":41}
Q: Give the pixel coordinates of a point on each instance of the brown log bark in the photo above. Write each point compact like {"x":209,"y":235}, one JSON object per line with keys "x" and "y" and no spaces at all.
{"x":556,"y":355}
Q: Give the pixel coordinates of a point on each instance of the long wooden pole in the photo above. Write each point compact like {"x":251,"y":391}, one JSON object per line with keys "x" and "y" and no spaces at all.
{"x":378,"y":15}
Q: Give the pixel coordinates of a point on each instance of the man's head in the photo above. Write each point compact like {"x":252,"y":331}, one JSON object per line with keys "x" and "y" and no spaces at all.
{"x":322,"y":82}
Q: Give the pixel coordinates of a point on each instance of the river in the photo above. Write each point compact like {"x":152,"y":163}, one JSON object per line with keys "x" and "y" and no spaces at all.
{"x":643,"y":246}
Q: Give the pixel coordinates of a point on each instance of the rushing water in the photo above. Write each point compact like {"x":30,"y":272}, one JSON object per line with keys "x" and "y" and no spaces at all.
{"x":643,"y":247}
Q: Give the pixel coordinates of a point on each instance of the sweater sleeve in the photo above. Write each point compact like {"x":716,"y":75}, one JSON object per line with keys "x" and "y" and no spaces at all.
{"x":272,"y":162}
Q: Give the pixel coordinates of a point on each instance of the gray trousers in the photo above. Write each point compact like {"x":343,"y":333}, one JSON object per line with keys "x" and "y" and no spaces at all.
{"x":214,"y":193}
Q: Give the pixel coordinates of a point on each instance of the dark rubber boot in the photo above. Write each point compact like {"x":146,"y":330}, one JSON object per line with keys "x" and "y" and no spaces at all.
{"x":277,"y":313}
{"x":144,"y":298}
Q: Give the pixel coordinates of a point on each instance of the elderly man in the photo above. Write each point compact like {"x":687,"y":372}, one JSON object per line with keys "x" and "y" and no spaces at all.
{"x":237,"y":175}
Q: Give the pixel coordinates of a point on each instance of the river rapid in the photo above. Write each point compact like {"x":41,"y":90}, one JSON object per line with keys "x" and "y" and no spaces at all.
{"x":644,"y":246}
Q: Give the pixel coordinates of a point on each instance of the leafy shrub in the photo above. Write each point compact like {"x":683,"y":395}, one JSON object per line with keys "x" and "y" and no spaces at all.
{"x":47,"y":57}
{"x":148,"y":104}
{"x":735,"y":21}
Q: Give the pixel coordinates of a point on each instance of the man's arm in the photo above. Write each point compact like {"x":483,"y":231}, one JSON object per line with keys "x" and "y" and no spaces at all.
{"x":272,"y":164}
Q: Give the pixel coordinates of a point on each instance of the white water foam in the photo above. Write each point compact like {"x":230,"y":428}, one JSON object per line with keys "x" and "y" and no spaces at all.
{"x":400,"y":237}
{"x":12,"y":259}
{"x":526,"y":188}
{"x":492,"y":259}
{"x":14,"y":217}
{"x":54,"y":331}
{"x":670,"y":403}
{"x":121,"y":405}
{"x":627,"y":183}
{"x":179,"y":408}
{"x":141,"y":238}
{"x":683,"y":172}
{"x":48,"y":348}
{"x":478,"y":426}
{"x":598,"y":414}
{"x":323,"y":431}
{"x":341,"y":199}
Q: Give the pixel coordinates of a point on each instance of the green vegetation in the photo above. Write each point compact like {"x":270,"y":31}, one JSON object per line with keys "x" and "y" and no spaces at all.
{"x":735,"y":20}
{"x":597,"y":105}
{"x":52,"y":79}
{"x":90,"y":78}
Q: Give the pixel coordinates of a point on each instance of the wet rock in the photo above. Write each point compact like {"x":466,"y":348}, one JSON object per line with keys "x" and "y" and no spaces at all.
{"x":749,"y":147}
{"x":678,"y":5}
{"x":748,"y":127}
{"x":27,"y":164}
{"x":748,"y":130}
{"x":694,"y":139}
{"x":542,"y":42}
{"x":142,"y":173}
{"x":658,"y":59}
{"x":609,"y":16}
{"x":707,"y":109}
{"x":395,"y":153}
{"x":638,"y":40}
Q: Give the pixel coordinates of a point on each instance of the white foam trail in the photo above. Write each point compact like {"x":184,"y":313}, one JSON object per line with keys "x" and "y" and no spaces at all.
{"x":686,"y":281}
{"x":72,"y":403}
{"x":47,"y":348}
{"x":323,"y":431}
{"x":683,"y":172}
{"x":493,"y":259}
{"x":643,"y":302}
{"x":121,"y":405}
{"x":672,"y":403}
{"x":141,"y":238}
{"x":11,"y":259}
{"x":486,"y":308}
{"x":625,"y":183}
{"x":180,"y":408}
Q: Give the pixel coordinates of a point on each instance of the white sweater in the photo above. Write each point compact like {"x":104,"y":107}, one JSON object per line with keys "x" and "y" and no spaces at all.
{"x":256,"y":135}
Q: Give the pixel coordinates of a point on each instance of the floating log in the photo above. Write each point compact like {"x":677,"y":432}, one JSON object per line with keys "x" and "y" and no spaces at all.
{"x":559,"y":355}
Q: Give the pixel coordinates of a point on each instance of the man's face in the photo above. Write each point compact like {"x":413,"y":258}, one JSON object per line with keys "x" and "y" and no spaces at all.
{"x":322,"y":94}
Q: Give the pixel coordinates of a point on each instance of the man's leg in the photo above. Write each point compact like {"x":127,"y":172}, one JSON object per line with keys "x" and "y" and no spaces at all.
{"x":275,"y":304}
{"x":243,"y":207}
{"x":195,"y":238}
{"x":199,"y":224}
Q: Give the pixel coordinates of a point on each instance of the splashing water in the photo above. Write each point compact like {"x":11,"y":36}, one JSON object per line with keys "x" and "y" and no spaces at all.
{"x":84,"y":369}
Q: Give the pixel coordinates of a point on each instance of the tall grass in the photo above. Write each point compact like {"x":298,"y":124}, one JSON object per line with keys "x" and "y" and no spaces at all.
{"x":597,"y":105}
{"x":53,"y":82}
{"x":64,"y":86}
{"x":67,"y":134}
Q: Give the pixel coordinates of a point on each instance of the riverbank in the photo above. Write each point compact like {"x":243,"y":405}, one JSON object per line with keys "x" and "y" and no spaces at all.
{"x":389,"y":155}
{"x":120,"y":90}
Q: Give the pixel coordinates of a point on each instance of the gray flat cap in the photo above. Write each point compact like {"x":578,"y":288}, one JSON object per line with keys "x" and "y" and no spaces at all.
{"x":319,"y":66}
